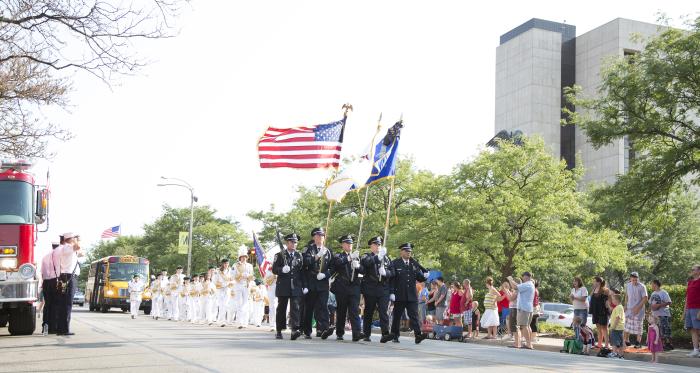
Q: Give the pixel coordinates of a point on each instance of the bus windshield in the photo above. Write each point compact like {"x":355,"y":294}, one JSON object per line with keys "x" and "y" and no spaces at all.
{"x":126,"y":271}
{"x":15,"y":202}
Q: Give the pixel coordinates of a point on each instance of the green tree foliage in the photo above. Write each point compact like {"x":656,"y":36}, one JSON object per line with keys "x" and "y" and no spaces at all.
{"x":653,"y":99}
{"x":518,"y":209}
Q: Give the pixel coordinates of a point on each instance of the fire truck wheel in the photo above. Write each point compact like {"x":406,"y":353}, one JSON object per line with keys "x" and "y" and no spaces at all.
{"x":104,"y":309}
{"x":22,"y":320}
{"x":3,"y":320}
{"x":147,"y":311}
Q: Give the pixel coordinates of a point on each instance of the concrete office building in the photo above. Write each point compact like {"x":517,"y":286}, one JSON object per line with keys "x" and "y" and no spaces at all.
{"x":535,"y":60}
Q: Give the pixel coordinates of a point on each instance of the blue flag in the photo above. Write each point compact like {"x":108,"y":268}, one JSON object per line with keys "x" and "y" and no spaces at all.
{"x":385,"y":154}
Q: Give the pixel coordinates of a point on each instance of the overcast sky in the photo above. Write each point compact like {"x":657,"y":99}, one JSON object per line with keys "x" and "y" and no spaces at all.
{"x":236,"y":67}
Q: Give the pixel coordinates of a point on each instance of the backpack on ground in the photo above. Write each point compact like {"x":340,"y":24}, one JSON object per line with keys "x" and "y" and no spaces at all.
{"x":604,"y":352}
{"x":572,"y":346}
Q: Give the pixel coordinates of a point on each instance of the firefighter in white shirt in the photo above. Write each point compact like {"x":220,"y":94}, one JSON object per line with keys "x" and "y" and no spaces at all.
{"x":174,"y":287}
{"x":270,"y":282}
{"x":223,"y":278}
{"x":242,"y":274}
{"x":136,"y":287}
{"x":65,"y":260}
{"x":156,"y":297}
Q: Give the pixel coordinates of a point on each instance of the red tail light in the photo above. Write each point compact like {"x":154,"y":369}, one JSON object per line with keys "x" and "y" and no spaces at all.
{"x":562,"y":317}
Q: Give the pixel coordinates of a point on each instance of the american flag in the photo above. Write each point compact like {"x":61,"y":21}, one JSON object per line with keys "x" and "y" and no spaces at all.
{"x":263,"y":263}
{"x":302,"y":147}
{"x":112,"y":232}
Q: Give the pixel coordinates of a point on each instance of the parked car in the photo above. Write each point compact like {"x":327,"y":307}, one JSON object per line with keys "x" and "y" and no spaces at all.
{"x":79,"y":298}
{"x":560,"y":314}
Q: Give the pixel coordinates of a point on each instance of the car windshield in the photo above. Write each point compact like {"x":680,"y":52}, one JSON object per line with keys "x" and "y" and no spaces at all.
{"x":15,"y":202}
{"x":558,"y":307}
{"x":126,"y":271}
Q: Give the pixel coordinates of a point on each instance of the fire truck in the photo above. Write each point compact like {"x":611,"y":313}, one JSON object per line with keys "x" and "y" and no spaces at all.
{"x":23,"y":207}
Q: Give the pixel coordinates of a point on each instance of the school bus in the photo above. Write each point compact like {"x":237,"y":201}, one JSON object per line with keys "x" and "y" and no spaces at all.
{"x":108,"y":282}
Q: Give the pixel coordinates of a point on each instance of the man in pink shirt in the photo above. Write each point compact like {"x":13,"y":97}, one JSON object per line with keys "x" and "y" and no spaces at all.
{"x":48,"y":288}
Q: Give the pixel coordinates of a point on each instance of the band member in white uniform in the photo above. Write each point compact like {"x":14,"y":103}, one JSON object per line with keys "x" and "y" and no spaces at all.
{"x":208,"y":298}
{"x":257,"y":303}
{"x":222,"y":281}
{"x":174,"y":287}
{"x":195,"y":297}
{"x":270,"y":282}
{"x":136,"y":287}
{"x":165,"y":295}
{"x":242,"y":274}
{"x":156,"y":297}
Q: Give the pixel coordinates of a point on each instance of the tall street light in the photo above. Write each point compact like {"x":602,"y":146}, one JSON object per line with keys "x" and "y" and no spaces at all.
{"x":193,"y":199}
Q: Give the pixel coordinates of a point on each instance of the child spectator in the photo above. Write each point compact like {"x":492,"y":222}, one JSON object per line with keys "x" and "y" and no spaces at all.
{"x":456,"y":304}
{"x":574,"y":345}
{"x":587,"y":338}
{"x":654,"y":338}
{"x":659,"y":303}
{"x":476,"y":319}
{"x":617,"y":327}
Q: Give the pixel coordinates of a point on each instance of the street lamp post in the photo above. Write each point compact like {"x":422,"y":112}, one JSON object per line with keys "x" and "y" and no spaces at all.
{"x":193,"y":199}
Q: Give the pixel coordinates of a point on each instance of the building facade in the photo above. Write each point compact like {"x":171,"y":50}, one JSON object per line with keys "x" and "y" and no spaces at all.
{"x":537,"y":60}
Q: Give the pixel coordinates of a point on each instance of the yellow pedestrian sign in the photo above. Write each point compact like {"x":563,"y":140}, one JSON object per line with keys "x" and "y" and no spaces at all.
{"x":183,"y":243}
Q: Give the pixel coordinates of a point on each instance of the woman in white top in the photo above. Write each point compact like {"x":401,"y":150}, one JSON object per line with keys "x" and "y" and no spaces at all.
{"x":579,"y":297}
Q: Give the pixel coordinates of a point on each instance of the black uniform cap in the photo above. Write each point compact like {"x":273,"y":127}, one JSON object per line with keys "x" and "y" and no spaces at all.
{"x":346,"y":239}
{"x":292,"y":237}
{"x":202,"y":275}
{"x":178,"y":267}
{"x":163,"y":270}
{"x":406,"y":246}
{"x":375,"y":240}
{"x":318,"y":230}
{"x":136,"y":275}
{"x":212,"y":267}
{"x":224,"y":260}
{"x":186,"y":278}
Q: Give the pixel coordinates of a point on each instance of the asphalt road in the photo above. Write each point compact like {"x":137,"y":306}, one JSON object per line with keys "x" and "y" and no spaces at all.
{"x":115,"y":342}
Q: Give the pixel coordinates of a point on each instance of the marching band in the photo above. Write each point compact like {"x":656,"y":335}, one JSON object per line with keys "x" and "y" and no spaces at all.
{"x":296,"y":291}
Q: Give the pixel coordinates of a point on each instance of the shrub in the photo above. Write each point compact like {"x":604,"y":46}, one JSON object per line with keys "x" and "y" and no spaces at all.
{"x":554,"y":330}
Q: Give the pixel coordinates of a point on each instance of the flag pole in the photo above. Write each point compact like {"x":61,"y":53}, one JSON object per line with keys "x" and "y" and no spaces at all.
{"x":364,"y":205}
{"x":391,"y":197}
{"x":347,"y":107}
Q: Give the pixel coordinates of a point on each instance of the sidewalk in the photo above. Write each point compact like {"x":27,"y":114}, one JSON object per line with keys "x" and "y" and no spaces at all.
{"x":554,"y":345}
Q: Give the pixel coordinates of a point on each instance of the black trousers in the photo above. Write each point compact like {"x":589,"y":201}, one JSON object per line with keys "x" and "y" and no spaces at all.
{"x":412,"y":310}
{"x":348,"y":306}
{"x":48,"y":287}
{"x":64,"y":303}
{"x":315,"y":307}
{"x":294,"y":313}
{"x":371,"y":303}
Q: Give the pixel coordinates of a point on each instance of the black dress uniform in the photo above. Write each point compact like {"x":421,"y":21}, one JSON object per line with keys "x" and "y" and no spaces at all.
{"x":316,"y":300}
{"x":376,"y":289}
{"x":406,"y":273}
{"x":289,"y":288}
{"x":346,"y":288}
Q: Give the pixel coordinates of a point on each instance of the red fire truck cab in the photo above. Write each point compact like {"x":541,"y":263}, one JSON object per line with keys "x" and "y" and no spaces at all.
{"x":23,"y":206}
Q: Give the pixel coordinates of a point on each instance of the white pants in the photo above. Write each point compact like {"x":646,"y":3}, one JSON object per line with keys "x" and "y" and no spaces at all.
{"x":258,"y":313}
{"x":182,"y":309}
{"x":206,"y":313}
{"x":222,"y":300}
{"x":156,"y":305}
{"x":174,"y":309}
{"x":193,"y":309}
{"x":240,"y":305}
{"x":135,"y":305}
{"x":272,"y":301}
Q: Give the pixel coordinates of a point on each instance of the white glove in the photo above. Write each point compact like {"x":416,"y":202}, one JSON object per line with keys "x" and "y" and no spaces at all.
{"x":382,"y":252}
{"x":355,"y":264}
{"x":392,"y":297}
{"x":304,"y":290}
{"x":355,"y":255}
{"x":426,"y":274}
{"x":321,"y":253}
{"x":382,"y":271}
{"x":320,"y":276}
{"x":268,"y":273}
{"x":286,"y":269}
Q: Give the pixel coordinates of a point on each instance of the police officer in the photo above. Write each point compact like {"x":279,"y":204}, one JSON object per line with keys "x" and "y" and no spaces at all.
{"x":290,"y":287}
{"x":376,"y":288}
{"x":406,"y":272}
{"x":346,"y":288}
{"x":65,"y":260}
{"x":317,"y":269}
{"x":48,"y":288}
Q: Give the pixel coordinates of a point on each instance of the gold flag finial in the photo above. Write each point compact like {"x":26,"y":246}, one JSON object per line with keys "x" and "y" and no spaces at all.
{"x":346,"y":108}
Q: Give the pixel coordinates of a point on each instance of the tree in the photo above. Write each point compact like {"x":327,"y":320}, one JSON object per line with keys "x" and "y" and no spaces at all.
{"x":653,"y":99}
{"x":517,"y":209}
{"x":42,"y":41}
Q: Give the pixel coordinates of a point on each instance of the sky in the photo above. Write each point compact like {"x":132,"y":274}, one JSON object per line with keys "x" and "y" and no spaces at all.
{"x":235,"y":67}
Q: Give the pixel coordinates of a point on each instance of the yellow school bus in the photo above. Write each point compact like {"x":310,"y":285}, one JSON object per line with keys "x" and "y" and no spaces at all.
{"x":108,"y":283}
